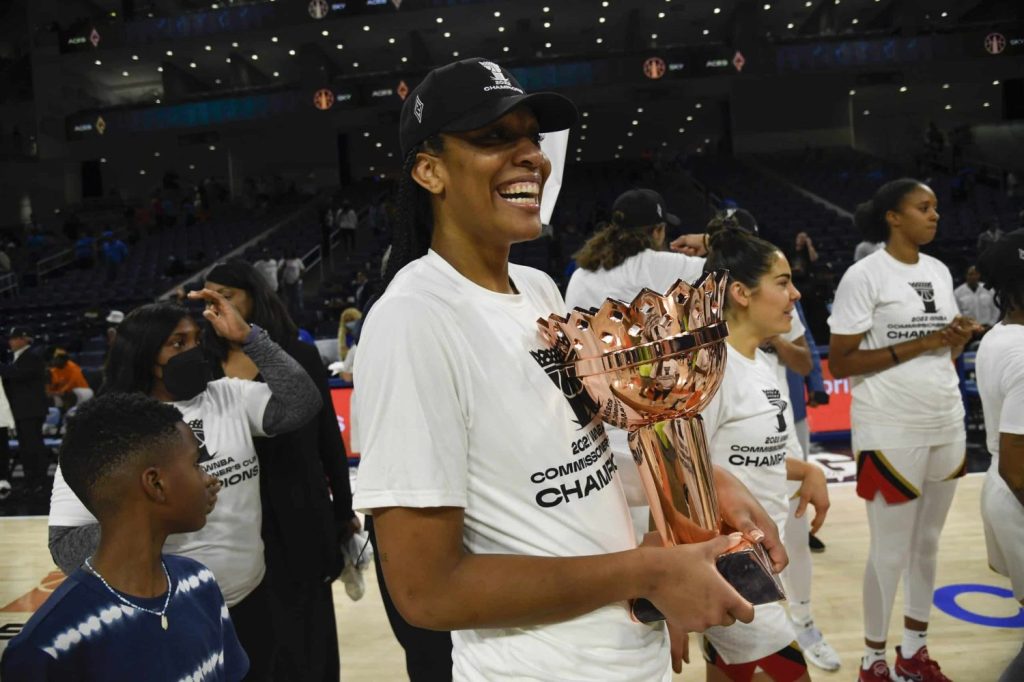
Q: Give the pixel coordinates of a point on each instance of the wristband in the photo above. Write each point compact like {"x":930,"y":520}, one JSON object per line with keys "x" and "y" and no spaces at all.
{"x":895,"y":358}
{"x":254,"y":333}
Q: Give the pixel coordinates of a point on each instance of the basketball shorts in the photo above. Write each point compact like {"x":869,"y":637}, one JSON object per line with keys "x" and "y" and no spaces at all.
{"x":785,"y":665}
{"x":768,"y":633}
{"x":1003,"y":518}
{"x":900,"y":473}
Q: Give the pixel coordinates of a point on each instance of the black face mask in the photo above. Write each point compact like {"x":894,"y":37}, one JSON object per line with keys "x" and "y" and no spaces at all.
{"x":186,"y":374}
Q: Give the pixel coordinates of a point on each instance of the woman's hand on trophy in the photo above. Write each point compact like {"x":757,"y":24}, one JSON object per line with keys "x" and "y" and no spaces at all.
{"x":742,"y":512}
{"x":813,"y":491}
{"x":685,"y":585}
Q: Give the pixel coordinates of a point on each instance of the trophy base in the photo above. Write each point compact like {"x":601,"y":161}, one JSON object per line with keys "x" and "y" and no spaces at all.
{"x":746,"y":567}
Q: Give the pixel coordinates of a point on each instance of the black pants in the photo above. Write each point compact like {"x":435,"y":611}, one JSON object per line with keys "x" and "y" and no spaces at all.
{"x":428,"y":653}
{"x":35,"y":459}
{"x":254,"y":623}
{"x":5,"y":456}
{"x":307,"y":631}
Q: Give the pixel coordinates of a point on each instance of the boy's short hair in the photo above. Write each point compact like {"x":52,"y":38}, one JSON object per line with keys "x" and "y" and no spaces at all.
{"x":109,"y":432}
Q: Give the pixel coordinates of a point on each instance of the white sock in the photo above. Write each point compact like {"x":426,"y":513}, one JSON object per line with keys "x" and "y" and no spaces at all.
{"x":870,"y":656}
{"x":800,"y":612}
{"x":913,"y":640}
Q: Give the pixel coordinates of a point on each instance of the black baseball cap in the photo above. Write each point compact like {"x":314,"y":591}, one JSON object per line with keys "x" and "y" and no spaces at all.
{"x":19,"y":333}
{"x":1003,"y":262}
{"x":469,"y":94}
{"x":641,"y":208}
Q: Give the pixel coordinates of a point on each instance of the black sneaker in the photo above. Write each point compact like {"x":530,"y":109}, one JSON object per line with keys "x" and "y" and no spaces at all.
{"x":816,"y":545}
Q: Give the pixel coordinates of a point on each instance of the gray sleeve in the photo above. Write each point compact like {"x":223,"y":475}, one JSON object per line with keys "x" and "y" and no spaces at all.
{"x":294,"y":397}
{"x":70,"y":546}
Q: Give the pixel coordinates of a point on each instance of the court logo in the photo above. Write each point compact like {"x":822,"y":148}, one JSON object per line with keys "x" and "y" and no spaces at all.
{"x":1020,"y":254}
{"x":774,"y":397}
{"x":417,"y":110}
{"x":927,"y":293}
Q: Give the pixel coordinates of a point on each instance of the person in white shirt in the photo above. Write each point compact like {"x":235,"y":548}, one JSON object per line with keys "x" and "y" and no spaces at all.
{"x":975,"y":300}
{"x":866,"y":248}
{"x":1000,"y":375}
{"x":749,"y":427}
{"x":268,"y":267}
{"x":622,"y":258}
{"x":468,"y":427}
{"x":895,"y":330}
{"x":347,"y":222}
{"x":156,"y":352}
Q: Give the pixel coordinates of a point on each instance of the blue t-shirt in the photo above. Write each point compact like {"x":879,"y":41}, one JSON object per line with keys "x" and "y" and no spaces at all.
{"x":82,"y":632}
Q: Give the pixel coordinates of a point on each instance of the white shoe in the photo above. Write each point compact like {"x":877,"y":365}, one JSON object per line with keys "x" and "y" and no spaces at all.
{"x":817,"y":651}
{"x":5,"y":489}
{"x":352,"y":577}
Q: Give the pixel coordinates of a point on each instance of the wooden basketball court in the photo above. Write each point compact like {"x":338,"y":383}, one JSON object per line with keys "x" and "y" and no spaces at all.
{"x":369,"y":652}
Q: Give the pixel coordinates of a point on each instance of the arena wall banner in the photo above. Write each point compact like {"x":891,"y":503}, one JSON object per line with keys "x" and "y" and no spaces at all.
{"x":342,"y":399}
{"x":832,"y":419}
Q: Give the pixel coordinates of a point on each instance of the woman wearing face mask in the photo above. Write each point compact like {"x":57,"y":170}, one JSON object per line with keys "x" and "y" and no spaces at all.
{"x":895,"y":331}
{"x":307,"y":499}
{"x":749,"y":415}
{"x":463,"y":429}
{"x":157,"y":352}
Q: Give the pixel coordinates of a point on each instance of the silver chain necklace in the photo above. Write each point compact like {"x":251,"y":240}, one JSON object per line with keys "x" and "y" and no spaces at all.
{"x":162,"y":612}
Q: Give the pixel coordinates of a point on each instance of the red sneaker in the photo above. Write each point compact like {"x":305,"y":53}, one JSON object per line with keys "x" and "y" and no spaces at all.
{"x":878,"y":672}
{"x":918,"y":668}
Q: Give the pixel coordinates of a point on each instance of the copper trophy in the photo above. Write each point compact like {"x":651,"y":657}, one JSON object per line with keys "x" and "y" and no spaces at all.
{"x":651,"y":366}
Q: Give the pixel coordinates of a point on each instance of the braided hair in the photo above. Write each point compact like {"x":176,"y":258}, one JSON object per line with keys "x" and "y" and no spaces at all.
{"x":414,"y":223}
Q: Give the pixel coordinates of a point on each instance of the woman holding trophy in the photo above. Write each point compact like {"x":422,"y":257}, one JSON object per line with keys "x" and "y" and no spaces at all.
{"x":750,"y":433}
{"x":496,"y":502}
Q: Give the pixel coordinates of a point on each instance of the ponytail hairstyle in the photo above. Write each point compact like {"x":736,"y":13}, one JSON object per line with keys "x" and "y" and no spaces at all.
{"x":1001,"y":267}
{"x":414,"y":222}
{"x":870,"y":215}
{"x":746,"y":257}
{"x":612,"y":244}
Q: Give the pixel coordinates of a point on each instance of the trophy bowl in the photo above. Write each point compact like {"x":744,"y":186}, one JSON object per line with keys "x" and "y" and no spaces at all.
{"x":651,"y":366}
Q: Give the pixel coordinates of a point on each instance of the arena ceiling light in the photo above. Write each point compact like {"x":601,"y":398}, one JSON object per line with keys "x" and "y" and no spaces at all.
{"x":601,"y":20}
{"x":497,"y":14}
{"x":366,"y":28}
{"x":717,"y":10}
{"x":340,"y":46}
{"x":505,"y":49}
{"x":440,"y":20}
{"x":213,"y":147}
{"x":447,"y":34}
{"x":855,"y":21}
{"x":547,"y":24}
{"x":945,"y":86}
{"x":455,"y":53}
{"x":546,"y":9}
{"x":547,"y":45}
{"x":654,"y":36}
{"x":705,"y":31}
{"x":135,"y":57}
{"x":948,"y":107}
{"x":273,"y":39}
{"x":98,"y":63}
{"x":192,"y":65}
{"x":852,"y":93}
{"x":291,"y":53}
{"x":255,"y":57}
{"x":995,"y":82}
{"x":661,"y":15}
{"x":159,"y":69}
{"x":405,"y":59}
{"x":767,"y":7}
{"x":599,"y":41}
{"x":209,"y":48}
{"x":501,"y":29}
{"x":234,"y":45}
{"x":325,"y":33}
{"x":124,"y":73}
{"x":276,"y":74}
{"x":586,"y":113}
{"x":170,"y":53}
{"x":227,"y":59}
{"x":986,"y":105}
{"x":903,"y":88}
{"x":789,"y":25}
{"x":355,"y":65}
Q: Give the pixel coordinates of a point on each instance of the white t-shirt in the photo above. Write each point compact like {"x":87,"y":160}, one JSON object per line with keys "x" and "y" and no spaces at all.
{"x":292,"y":270}
{"x":267,"y":268}
{"x":917,"y":402}
{"x":657,"y":270}
{"x":978,"y":304}
{"x":224,"y":419}
{"x":749,"y":429}
{"x":456,"y":408}
{"x":999,"y":368}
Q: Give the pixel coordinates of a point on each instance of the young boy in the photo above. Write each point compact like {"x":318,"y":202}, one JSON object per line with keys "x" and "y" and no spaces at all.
{"x":131,"y":613}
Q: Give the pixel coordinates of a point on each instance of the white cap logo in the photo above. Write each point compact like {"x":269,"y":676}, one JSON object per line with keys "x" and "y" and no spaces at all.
{"x":501,"y":82}
{"x":659,"y":211}
{"x":1020,"y":253}
{"x":417,"y":110}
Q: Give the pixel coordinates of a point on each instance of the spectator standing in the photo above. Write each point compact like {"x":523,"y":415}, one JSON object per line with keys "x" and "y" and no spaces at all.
{"x":364,"y":291}
{"x":268,"y":267}
{"x":990,"y":235}
{"x":975,"y":300}
{"x":68,"y":386}
{"x":347,"y":222}
{"x":25,"y":384}
{"x":85,"y":251}
{"x":292,"y":269}
{"x":866,"y":248}
{"x":115,"y":252}
{"x":5,"y":260}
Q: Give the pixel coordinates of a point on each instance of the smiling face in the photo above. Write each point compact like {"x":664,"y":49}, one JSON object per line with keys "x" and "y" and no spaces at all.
{"x":771,"y":305}
{"x":917,"y":219}
{"x":185,"y":336}
{"x":486,"y":183}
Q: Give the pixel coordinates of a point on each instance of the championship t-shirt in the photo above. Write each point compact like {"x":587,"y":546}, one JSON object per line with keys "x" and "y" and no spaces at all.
{"x":460,"y":404}
{"x":999,"y":368}
{"x":84,"y":632}
{"x":748,"y":426}
{"x":657,"y":270}
{"x":917,"y":402}
{"x":224,"y":418}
